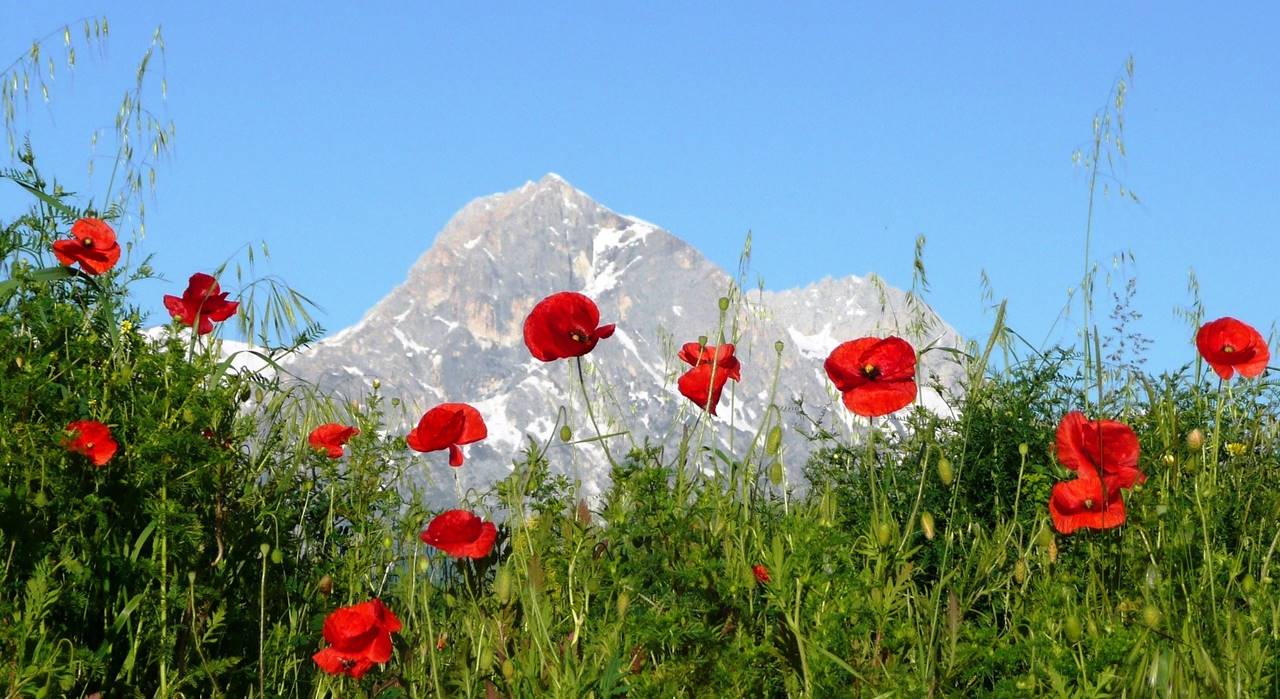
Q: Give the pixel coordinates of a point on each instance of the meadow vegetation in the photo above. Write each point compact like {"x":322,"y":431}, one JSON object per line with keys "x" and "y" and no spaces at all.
{"x":204,"y":555}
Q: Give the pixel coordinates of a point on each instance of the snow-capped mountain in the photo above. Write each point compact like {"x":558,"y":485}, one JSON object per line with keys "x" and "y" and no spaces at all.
{"x":452,"y":332}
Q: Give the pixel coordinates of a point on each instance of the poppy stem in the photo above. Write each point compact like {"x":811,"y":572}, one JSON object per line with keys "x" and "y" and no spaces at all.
{"x":586,"y":399}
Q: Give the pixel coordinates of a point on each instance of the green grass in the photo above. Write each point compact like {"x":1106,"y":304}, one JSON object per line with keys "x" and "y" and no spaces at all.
{"x":204,"y":558}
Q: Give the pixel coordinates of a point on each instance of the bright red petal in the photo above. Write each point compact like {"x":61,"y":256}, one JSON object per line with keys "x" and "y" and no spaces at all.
{"x":893,"y":358}
{"x":699,"y":385}
{"x":483,"y":543}
{"x":845,"y":364}
{"x":876,"y":398}
{"x":330,"y":661}
{"x":563,"y":325}
{"x":439,"y":427}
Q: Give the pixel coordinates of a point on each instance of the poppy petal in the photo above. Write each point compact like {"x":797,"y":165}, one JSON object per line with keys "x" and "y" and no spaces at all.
{"x":844,"y":365}
{"x":876,"y":398}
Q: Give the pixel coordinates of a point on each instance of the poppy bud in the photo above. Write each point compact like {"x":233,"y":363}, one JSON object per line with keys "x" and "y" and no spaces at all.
{"x":945,"y":472}
{"x":536,"y":577}
{"x":1023,"y":449}
{"x":423,"y":565}
{"x":386,"y":542}
{"x":41,"y":500}
{"x":1073,"y":629}
{"x":502,"y":585}
{"x":1020,"y":571}
{"x":566,"y":433}
{"x":1044,"y":537}
{"x":584,"y":513}
{"x":777,"y":346}
{"x":773,"y":442}
{"x":1195,"y":438}
{"x":1151,"y":616}
{"x":18,"y":361}
{"x":1247,"y":584}
{"x":724,"y":303}
{"x":624,"y":602}
{"x":926,"y":523}
{"x":265,"y":549}
{"x":702,"y":340}
{"x":1168,"y":459}
{"x":377,"y":384}
{"x":508,"y":670}
{"x":884,"y":534}
{"x":325,"y":586}
{"x":277,"y":557}
{"x":775,"y":472}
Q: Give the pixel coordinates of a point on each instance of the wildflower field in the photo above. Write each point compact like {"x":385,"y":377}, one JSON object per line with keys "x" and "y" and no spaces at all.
{"x":174,"y":527}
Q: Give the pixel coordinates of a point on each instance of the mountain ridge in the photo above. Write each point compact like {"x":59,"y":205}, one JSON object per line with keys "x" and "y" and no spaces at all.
{"x":451,"y":331}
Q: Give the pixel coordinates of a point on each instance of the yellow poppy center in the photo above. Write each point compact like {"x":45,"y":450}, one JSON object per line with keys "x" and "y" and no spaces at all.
{"x":1088,"y":503}
{"x":577,"y":336}
{"x":1228,"y":349}
{"x":87,"y":242}
{"x":870,"y":371}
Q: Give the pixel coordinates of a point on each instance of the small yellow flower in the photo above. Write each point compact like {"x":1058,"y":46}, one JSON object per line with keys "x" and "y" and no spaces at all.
{"x":1235,"y":449}
{"x":126,"y":326}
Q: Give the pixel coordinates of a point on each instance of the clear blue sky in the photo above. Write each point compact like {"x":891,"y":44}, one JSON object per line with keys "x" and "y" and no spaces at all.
{"x":345,"y":136}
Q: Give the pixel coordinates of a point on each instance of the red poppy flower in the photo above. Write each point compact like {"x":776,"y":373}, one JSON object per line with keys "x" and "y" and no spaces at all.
{"x":1101,"y":449}
{"x":359,"y":636}
{"x":447,"y":426}
{"x":761,"y":573}
{"x":1230,"y":346}
{"x":92,"y":244}
{"x":712,"y":367}
{"x":876,"y":376}
{"x":204,"y":300}
{"x":92,"y":439}
{"x":330,"y":437}
{"x":1086,"y":502}
{"x":460,"y":534}
{"x":564,"y":325}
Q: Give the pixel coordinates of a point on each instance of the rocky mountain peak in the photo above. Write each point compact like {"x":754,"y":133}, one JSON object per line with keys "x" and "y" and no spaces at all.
{"x":453,"y":330}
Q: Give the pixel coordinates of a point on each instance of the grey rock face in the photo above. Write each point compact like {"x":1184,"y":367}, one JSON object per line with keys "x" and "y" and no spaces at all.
{"x":453,"y":332}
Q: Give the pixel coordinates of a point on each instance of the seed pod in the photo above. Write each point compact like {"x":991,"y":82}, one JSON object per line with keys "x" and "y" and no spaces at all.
{"x":377,"y":384}
{"x":884,"y":534}
{"x":537,"y":579}
{"x":502,"y":585}
{"x":1073,"y":629}
{"x":773,"y":442}
{"x":1151,"y":616}
{"x":775,"y":472}
{"x":623,"y":602}
{"x":777,"y":346}
{"x":325,"y":586}
{"x":927,"y":524}
{"x":566,"y":433}
{"x":277,"y":557}
{"x":1023,"y":448}
{"x":724,"y":303}
{"x":265,"y":549}
{"x":945,"y":473}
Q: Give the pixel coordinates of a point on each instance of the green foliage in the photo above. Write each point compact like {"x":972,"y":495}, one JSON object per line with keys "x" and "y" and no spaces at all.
{"x":205,"y":556}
